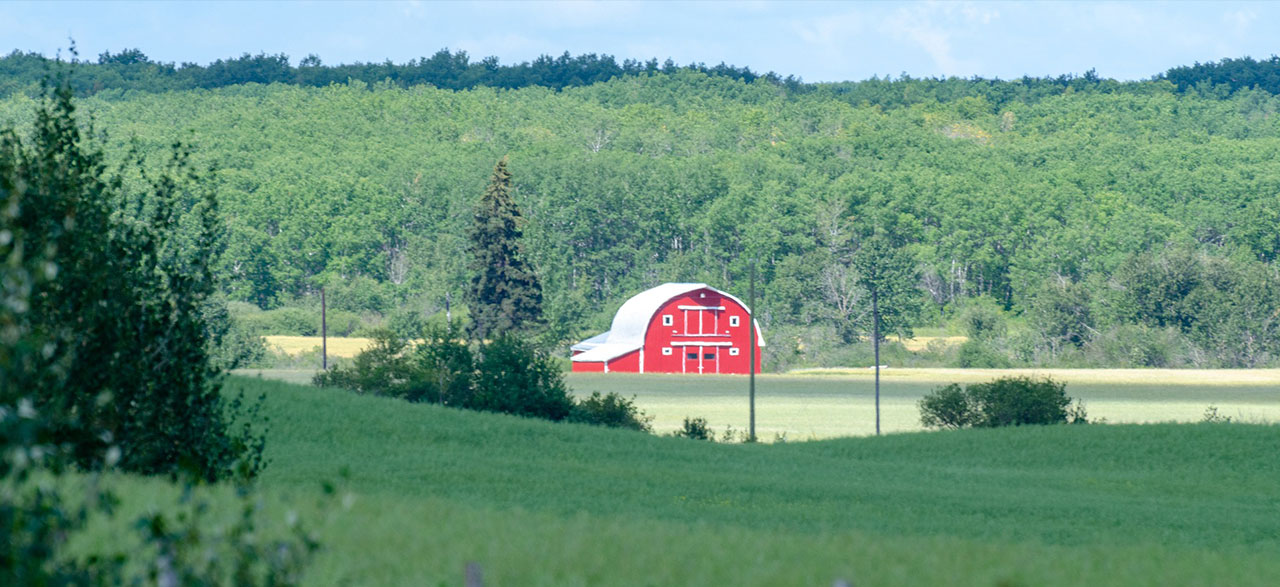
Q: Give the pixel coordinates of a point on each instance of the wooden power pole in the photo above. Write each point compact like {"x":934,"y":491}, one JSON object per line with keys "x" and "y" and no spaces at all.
{"x":324,"y":333}
{"x":875,"y":344}
{"x":751,"y":321}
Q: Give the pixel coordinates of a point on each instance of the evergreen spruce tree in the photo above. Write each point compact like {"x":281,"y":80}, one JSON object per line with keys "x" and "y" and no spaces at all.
{"x":505,"y":295}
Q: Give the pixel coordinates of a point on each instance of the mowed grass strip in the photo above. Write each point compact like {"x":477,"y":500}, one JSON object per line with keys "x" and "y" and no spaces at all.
{"x":807,"y":407}
{"x":810,"y":407}
{"x":1052,"y":505}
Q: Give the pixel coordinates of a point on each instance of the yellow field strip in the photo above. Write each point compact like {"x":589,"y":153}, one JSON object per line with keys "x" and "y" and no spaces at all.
{"x":345,"y":347}
{"x":348,"y":347}
{"x":921,"y":343}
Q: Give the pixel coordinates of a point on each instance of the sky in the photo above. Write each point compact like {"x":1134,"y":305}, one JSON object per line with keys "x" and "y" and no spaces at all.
{"x":816,"y":41}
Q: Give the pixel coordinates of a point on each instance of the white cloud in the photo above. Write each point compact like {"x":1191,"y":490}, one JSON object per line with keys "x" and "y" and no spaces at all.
{"x":828,"y":32}
{"x":932,"y":25}
{"x":414,"y":9}
{"x":578,"y":13}
{"x":1241,"y":20}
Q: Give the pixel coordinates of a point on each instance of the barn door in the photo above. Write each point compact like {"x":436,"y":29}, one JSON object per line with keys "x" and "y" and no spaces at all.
{"x":693,"y":362}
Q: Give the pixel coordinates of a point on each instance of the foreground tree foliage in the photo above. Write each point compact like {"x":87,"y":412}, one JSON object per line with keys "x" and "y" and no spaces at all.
{"x":126,"y":357}
{"x":105,"y":363}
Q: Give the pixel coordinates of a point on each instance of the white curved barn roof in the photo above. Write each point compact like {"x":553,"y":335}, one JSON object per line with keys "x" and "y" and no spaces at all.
{"x":632,"y":320}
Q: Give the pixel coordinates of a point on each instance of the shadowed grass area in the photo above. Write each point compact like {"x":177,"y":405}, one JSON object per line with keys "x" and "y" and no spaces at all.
{"x":541,"y":503}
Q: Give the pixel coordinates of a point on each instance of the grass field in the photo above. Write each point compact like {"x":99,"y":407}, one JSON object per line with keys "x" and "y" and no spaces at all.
{"x":536,"y":503}
{"x":831,"y":403}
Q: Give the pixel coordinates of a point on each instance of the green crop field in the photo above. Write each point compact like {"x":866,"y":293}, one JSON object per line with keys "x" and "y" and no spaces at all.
{"x":432,"y":489}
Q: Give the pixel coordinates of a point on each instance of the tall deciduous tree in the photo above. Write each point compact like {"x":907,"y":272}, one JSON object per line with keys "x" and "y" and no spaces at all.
{"x":505,"y":293}
{"x":117,"y":302}
{"x":889,"y":274}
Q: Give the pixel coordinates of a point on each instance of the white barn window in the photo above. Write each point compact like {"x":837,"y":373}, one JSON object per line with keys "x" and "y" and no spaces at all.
{"x":733,"y":351}
{"x":667,"y":320}
{"x":666,"y":351}
{"x":733,"y":320}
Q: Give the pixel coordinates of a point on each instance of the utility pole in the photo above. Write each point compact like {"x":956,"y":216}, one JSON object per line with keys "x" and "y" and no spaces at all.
{"x":751,"y":321}
{"x":875,"y":344}
{"x":324,"y":334}
{"x":448,"y":316}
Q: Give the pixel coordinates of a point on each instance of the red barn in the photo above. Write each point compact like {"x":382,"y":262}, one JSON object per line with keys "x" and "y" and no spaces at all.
{"x":673,"y":328}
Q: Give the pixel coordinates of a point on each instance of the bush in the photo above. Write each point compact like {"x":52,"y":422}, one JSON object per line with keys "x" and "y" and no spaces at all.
{"x":983,"y":319}
{"x":381,"y":369}
{"x":342,"y":322}
{"x":1007,"y":401}
{"x":443,"y":369}
{"x":1016,"y":401}
{"x":696,"y":428}
{"x":976,"y":354}
{"x":948,"y":407}
{"x":513,"y":378}
{"x":610,"y":410}
{"x":507,"y":376}
{"x":282,"y":321}
{"x":1136,"y":345}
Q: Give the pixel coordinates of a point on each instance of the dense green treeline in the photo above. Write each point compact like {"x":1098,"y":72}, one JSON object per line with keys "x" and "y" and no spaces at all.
{"x":1040,"y":207}
{"x":133,"y":70}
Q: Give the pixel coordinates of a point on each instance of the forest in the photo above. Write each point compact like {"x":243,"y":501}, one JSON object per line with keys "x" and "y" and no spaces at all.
{"x":1056,"y":221}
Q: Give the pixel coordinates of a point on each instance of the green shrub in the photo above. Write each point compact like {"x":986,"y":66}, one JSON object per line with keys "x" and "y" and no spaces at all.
{"x":1213,"y":416}
{"x":443,"y":369}
{"x":381,"y":369}
{"x":948,"y":407}
{"x":983,"y":319}
{"x":290,"y":321}
{"x":1015,"y":401}
{"x":359,"y":294}
{"x":513,"y":378}
{"x":610,"y":410}
{"x":976,"y":354}
{"x":1007,"y":401}
{"x":406,"y":322}
{"x":696,"y":428}
{"x":1137,"y":345}
{"x":505,"y":375}
{"x":342,"y":322}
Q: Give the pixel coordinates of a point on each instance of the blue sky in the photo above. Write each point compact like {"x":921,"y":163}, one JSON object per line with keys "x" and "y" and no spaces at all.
{"x":818,"y":41}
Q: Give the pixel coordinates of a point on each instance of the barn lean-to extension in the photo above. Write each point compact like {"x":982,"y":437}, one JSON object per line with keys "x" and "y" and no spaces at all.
{"x":673,"y":328}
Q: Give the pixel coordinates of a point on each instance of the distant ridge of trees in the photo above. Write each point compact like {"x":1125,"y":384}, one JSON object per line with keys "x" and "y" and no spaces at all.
{"x":131,"y":69}
{"x":1234,"y":74}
